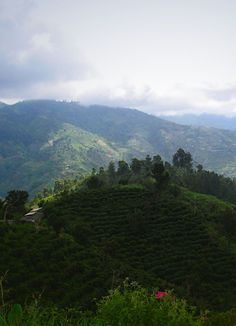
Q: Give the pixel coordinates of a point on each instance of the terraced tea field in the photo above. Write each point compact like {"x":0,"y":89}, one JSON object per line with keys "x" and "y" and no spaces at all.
{"x":148,"y":237}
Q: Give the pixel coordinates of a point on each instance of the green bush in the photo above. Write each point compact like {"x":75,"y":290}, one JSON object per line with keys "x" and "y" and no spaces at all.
{"x":132,"y":305}
{"x":129,"y":305}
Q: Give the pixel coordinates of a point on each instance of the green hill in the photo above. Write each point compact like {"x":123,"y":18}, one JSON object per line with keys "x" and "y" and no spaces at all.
{"x":41,"y":141}
{"x":92,"y":240}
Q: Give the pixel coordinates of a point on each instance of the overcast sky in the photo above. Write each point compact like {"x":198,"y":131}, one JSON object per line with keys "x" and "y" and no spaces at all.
{"x":161,"y":56}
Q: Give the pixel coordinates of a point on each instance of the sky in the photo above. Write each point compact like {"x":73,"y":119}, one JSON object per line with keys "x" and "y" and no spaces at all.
{"x":159,"y":56}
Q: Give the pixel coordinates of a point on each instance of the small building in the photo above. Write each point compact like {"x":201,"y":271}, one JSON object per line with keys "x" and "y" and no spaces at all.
{"x":34,"y":216}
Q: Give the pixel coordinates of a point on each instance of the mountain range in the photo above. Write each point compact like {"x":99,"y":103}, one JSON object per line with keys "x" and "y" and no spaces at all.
{"x":43,"y":140}
{"x":204,"y":119}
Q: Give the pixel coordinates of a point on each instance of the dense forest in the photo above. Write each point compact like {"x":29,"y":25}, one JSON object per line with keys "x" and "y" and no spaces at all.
{"x":150,"y":221}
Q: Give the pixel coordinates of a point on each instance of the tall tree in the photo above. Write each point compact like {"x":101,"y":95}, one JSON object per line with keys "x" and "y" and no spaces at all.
{"x":136,"y":166}
{"x":148,"y":164}
{"x":123,"y":168}
{"x":17,"y":198}
{"x":94,"y":182}
{"x":14,"y":200}
{"x":182,"y":159}
{"x":111,"y":172}
{"x":160,"y":175}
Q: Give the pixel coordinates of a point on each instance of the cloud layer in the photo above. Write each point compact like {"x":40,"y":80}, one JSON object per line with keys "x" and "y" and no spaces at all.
{"x":161,"y":57}
{"x":33,"y":56}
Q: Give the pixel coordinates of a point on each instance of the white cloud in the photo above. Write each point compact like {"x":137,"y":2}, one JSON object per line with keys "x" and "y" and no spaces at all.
{"x":158,"y":56}
{"x":32,"y":55}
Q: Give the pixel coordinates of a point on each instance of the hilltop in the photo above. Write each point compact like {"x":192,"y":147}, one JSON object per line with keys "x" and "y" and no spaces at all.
{"x":41,"y":141}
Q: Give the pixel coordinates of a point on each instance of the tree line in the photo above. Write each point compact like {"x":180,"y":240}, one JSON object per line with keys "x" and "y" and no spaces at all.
{"x":152,"y":172}
{"x":157,"y":174}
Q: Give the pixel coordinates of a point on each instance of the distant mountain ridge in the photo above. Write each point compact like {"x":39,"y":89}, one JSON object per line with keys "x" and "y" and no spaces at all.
{"x":2,"y":104}
{"x":205,"y":119}
{"x":41,"y":141}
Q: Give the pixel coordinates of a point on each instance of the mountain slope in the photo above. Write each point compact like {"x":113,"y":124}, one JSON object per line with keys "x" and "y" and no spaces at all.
{"x":44,"y":140}
{"x":210,"y":120}
{"x":2,"y":105}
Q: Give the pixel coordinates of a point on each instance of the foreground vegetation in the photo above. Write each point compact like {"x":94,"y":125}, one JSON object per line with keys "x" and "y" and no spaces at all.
{"x":127,"y":306}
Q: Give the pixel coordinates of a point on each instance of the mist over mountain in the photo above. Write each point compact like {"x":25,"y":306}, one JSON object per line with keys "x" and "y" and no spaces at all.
{"x":43,"y":140}
{"x":205,"y":119}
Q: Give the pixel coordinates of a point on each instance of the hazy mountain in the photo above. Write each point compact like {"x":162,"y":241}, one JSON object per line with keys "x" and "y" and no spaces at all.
{"x":210,"y":120}
{"x":2,"y":104}
{"x":44,"y":140}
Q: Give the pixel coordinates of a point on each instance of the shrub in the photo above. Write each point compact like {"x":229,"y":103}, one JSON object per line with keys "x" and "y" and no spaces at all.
{"x":132,"y":305}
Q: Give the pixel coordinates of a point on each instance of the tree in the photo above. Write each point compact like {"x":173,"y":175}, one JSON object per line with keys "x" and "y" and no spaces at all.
{"x":148,"y":164}
{"x":111,"y":171}
{"x":47,"y":192}
{"x":157,"y":170}
{"x":136,"y":166}
{"x":94,"y":182}
{"x":123,"y":168}
{"x":94,"y":172}
{"x":123,"y":172}
{"x":59,"y":186}
{"x":101,"y":171}
{"x":199,"y":168}
{"x":14,"y":200}
{"x":159,"y":174}
{"x":182,"y":159}
{"x":17,"y":198}
{"x":156,"y":159}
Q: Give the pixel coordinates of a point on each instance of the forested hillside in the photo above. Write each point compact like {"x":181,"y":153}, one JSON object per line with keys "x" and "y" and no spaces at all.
{"x":41,"y":141}
{"x":94,"y":239}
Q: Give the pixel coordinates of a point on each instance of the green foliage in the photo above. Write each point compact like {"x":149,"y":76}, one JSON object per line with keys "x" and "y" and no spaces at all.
{"x":136,"y":166}
{"x":182,"y":159}
{"x":15,"y":315}
{"x":42,"y":141}
{"x":99,"y":237}
{"x":35,"y":315}
{"x":94,"y":182}
{"x":137,"y":235}
{"x":132,"y":305}
{"x":17,"y":198}
{"x":146,"y":227}
{"x":14,"y":204}
{"x":227,"y":318}
{"x":160,"y":175}
{"x":206,"y":182}
{"x":126,"y":305}
{"x":149,"y":173}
